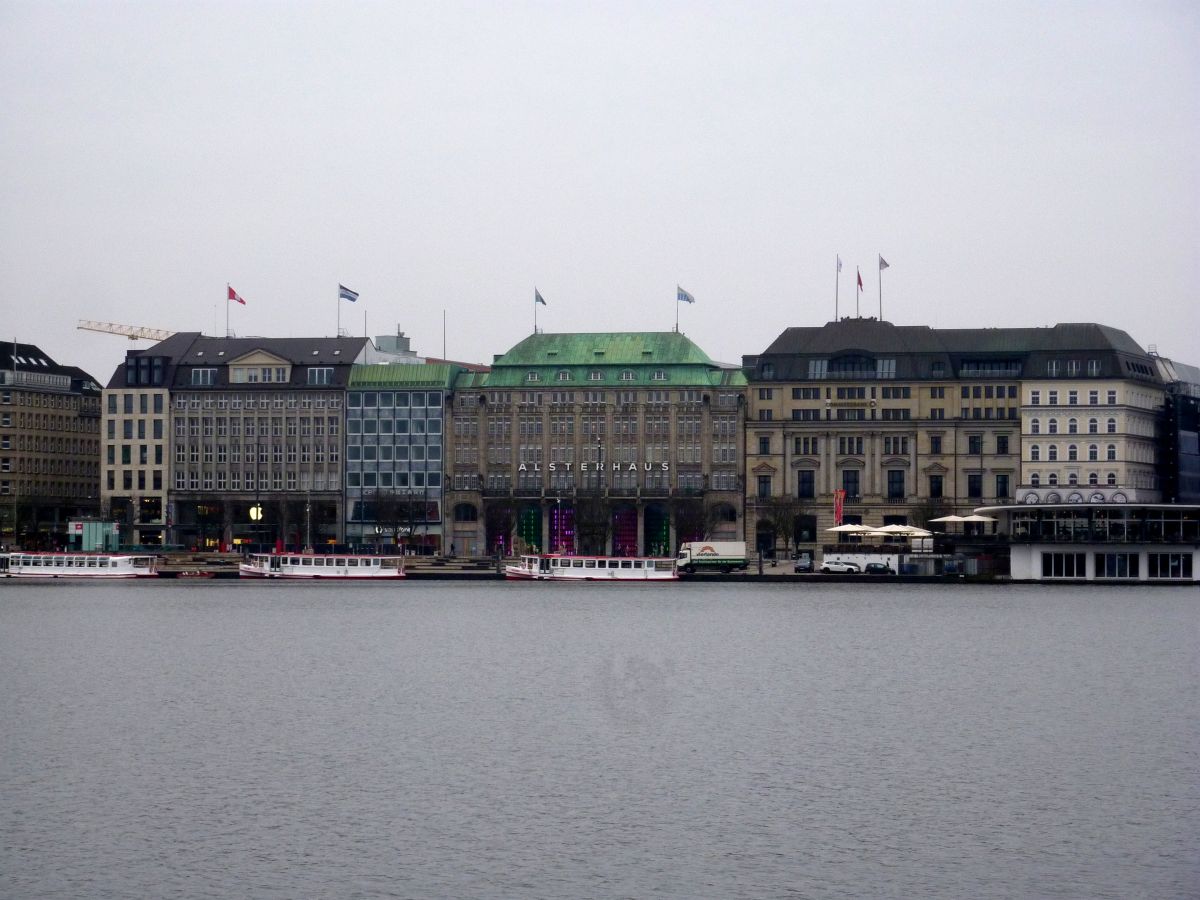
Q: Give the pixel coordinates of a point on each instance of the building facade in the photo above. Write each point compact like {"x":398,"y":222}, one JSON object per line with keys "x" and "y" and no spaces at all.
{"x":863,"y":421}
{"x":253,"y":440}
{"x":395,"y":436}
{"x":49,"y":446}
{"x":619,"y":443}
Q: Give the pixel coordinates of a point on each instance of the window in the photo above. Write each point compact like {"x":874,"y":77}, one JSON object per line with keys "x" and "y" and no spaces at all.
{"x":1052,"y":426}
{"x":1035,"y":426}
{"x":1035,"y":453}
{"x":806,"y":484}
{"x":975,"y":444}
{"x":936,"y":488}
{"x":1052,"y":453}
{"x":764,"y":445}
{"x":895,"y":484}
{"x":1093,"y":453}
{"x":1169,"y":565}
{"x":1112,"y":426}
{"x":764,"y":486}
{"x":1072,"y":398}
{"x":1064,"y":565}
{"x":1093,"y":367}
{"x":532,"y":376}
{"x":1093,"y":398}
{"x":204,"y":377}
{"x":935,"y":444}
{"x":765,"y":415}
{"x":1002,"y":490}
{"x":1111,"y":452}
{"x":1002,"y":445}
{"x":1035,"y":398}
{"x":1093,"y":426}
{"x":850,"y":479}
{"x":563,"y":375}
{"x":1053,"y":398}
{"x":1112,"y":398}
{"x":974,"y":485}
{"x":1072,"y":426}
{"x":320,"y":375}
{"x":1072,"y":453}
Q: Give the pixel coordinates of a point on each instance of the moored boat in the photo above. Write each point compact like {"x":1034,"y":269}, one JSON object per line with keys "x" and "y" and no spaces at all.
{"x":78,"y":565}
{"x":345,"y":566}
{"x":554,"y":567}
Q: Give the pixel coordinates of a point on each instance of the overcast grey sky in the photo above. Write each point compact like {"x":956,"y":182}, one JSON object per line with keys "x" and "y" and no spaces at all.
{"x":1016,"y":164}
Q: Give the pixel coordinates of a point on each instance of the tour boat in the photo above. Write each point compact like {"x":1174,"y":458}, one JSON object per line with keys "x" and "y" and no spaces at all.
{"x":554,"y":567}
{"x":344,"y":566}
{"x":78,"y":565}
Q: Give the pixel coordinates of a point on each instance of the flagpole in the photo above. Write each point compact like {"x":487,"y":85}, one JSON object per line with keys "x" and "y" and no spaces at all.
{"x":338,"y":331}
{"x":535,"y":305}
{"x":677,"y":310}
{"x":227,"y":290}
{"x":837,"y":284}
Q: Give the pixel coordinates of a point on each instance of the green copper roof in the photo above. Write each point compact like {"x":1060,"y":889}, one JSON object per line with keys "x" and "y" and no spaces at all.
{"x":621,"y":348}
{"x":403,"y":375}
{"x":608,"y":360}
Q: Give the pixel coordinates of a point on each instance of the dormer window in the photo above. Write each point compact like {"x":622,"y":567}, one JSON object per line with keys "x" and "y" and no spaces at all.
{"x":627,"y":375}
{"x":595,"y":375}
{"x":532,"y":376}
{"x":659,"y":375}
{"x":563,"y":375}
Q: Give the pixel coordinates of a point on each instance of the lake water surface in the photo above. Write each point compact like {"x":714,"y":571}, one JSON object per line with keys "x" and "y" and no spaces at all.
{"x":447,"y":739}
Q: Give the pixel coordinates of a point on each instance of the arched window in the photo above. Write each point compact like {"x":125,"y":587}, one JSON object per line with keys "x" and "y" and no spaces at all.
{"x":1112,"y":426}
{"x":1072,"y":453}
{"x":1072,"y":478}
{"x":1035,"y":479}
{"x":1111,"y":452}
{"x":1053,"y":429}
{"x":1093,"y":452}
{"x":1052,"y":453}
{"x":1035,"y":453}
{"x":1112,"y":479}
{"x":1053,"y":481}
{"x":1072,"y":426}
{"x":1093,"y":426}
{"x":1035,"y":426}
{"x":1093,"y":478}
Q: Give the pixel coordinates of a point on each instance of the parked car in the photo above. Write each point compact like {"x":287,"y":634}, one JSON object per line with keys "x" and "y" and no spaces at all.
{"x":878,"y":568}
{"x":804,"y":563}
{"x":839,"y":568}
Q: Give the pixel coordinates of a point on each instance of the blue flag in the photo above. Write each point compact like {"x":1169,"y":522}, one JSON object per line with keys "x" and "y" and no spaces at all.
{"x":344,"y":293}
{"x":684,"y":296}
{"x":537,"y":297}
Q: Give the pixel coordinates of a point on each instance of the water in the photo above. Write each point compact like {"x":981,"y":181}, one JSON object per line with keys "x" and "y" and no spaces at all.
{"x":527,"y":741}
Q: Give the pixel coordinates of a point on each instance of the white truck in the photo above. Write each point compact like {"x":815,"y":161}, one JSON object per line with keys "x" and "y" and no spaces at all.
{"x":720,"y":556}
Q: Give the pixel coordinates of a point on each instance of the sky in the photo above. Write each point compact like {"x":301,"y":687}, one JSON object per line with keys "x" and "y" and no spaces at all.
{"x":1016,"y":163}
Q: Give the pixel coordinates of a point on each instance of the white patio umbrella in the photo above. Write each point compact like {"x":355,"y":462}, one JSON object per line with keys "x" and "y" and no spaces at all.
{"x":852,"y":529}
{"x":906,"y":530}
{"x":950,"y":518}
{"x":977,"y":518}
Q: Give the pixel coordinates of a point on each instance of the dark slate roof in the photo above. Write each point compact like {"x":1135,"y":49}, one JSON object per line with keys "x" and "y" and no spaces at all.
{"x":187,"y":350}
{"x":916,"y":347}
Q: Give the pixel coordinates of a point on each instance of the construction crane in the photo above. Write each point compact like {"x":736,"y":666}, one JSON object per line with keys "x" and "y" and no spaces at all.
{"x":133,"y":332}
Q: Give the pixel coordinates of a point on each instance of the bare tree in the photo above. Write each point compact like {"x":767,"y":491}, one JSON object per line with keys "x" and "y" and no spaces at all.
{"x":690,"y":517}
{"x":781,"y":512}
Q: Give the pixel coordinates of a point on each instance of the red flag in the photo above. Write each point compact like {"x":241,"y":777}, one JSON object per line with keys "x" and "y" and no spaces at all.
{"x":859,"y":278}
{"x":233,"y":295}
{"x":839,"y":505}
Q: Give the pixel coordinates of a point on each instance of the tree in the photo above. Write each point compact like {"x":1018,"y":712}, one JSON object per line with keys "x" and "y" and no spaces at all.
{"x":781,"y":512}
{"x":691,"y":518}
{"x":500,"y":517}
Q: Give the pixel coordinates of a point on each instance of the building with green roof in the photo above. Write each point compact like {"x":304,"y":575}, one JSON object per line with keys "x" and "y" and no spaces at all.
{"x":624,"y":443}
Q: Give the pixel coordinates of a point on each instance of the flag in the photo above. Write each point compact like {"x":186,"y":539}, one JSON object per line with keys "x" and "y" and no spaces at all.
{"x":883,"y":264}
{"x":839,"y":259}
{"x":839,"y":505}
{"x":859,"y":279}
{"x":538,"y":298}
{"x":683,"y":296}
{"x":344,"y":293}
{"x":233,"y":295}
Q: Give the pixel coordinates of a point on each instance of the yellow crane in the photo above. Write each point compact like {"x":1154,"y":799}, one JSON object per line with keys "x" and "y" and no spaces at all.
{"x":133,"y":332}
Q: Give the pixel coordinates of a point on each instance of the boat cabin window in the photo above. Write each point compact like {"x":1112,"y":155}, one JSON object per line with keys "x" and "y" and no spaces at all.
{"x":614,"y":564}
{"x":626,"y":564}
{"x":352,"y":562}
{"x":306,"y":561}
{"x":589,"y":564}
{"x":340,"y":561}
{"x":578,"y":563}
{"x":637,"y":563}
